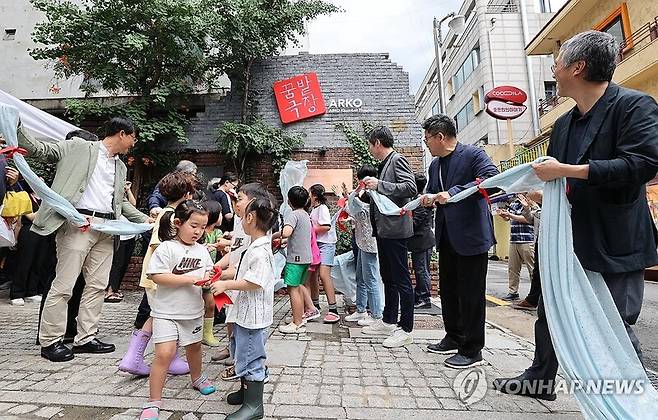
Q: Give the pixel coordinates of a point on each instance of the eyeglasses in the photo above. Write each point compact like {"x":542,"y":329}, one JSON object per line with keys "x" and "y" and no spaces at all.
{"x":427,"y":138}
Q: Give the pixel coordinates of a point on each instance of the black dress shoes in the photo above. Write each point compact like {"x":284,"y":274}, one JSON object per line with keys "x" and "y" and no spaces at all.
{"x":57,"y":352}
{"x":527,"y":387}
{"x":94,"y":346}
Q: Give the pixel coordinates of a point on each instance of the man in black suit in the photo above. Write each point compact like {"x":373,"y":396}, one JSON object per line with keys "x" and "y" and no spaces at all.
{"x":607,"y":148}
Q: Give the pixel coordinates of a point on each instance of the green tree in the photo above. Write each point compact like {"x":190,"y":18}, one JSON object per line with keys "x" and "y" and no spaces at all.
{"x":152,"y":50}
{"x":244,"y":31}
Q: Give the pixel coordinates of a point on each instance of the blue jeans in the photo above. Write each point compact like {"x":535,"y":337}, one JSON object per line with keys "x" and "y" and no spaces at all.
{"x":248,"y":350}
{"x":368,"y":284}
{"x":421,"y":264}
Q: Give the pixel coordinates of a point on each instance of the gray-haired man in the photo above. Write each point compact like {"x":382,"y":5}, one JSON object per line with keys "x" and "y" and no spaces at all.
{"x":607,"y":148}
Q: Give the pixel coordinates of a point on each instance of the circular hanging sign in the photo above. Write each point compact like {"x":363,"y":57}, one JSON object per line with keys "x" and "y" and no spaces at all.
{"x":507,"y":94}
{"x":503,"y":110}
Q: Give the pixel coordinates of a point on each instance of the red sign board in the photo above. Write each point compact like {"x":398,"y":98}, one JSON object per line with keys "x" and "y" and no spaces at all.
{"x":299,"y":97}
{"x":504,"y":110}
{"x":507,"y":94}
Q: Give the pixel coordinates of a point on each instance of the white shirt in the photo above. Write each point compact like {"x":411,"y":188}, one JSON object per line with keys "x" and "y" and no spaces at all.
{"x":179,"y":302}
{"x":99,"y":192}
{"x":320,"y":216}
{"x":254,"y":309}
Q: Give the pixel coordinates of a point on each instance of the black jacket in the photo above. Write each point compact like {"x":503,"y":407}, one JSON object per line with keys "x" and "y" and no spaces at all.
{"x":423,"y":238}
{"x":613,"y":231}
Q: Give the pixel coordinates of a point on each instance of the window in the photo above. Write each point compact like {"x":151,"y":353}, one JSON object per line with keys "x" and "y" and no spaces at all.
{"x":468,"y":66}
{"x":618,"y":25}
{"x":478,"y":100}
{"x":550,"y":89}
{"x":435,"y":108}
{"x":10,"y":34}
{"x":544,"y":6}
{"x":465,"y":115}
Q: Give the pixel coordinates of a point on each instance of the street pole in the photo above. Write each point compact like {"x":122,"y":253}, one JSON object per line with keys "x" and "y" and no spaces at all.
{"x":436,"y":34}
{"x":510,"y":138}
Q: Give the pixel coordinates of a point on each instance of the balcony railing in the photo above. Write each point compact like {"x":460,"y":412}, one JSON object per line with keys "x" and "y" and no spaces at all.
{"x":644,"y":35}
{"x":526,"y":155}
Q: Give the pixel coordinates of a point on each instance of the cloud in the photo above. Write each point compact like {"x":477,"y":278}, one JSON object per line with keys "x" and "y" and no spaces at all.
{"x":403,"y":28}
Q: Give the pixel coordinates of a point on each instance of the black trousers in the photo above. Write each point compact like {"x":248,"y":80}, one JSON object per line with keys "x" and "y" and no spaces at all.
{"x":30,"y":259}
{"x":120,"y":261}
{"x":398,"y":291}
{"x":462,"y":282}
{"x":627,"y":290}
{"x":143,"y":312}
{"x":535,"y":280}
{"x":76,"y":295}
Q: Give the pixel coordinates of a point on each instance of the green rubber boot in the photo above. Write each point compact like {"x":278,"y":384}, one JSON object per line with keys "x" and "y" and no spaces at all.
{"x":252,"y":407}
{"x":237,"y":397}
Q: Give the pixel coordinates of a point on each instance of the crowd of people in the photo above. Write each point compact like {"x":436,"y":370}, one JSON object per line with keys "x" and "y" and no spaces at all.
{"x":222,"y":243}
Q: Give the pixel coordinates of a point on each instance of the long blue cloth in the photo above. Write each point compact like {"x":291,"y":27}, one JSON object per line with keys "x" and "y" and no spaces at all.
{"x":8,"y":127}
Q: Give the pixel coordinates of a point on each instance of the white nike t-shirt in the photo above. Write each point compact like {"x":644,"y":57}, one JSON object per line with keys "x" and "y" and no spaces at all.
{"x":179,"y":302}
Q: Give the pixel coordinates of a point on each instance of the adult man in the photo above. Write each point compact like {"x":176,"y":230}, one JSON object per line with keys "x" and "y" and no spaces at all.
{"x":91,"y":176}
{"x":227,"y":185}
{"x":464,"y":234}
{"x":395,"y":181}
{"x":521,"y":246}
{"x":607,"y":148}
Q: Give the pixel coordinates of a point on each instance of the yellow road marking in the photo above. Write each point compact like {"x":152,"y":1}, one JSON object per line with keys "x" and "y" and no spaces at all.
{"x":497,"y":301}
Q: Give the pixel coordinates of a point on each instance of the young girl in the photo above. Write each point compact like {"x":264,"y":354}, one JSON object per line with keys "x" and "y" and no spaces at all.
{"x":253,"y":309}
{"x":178,"y":266}
{"x":326,"y":239}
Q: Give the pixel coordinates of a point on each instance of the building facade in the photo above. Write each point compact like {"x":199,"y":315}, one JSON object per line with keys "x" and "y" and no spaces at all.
{"x":489,"y":53}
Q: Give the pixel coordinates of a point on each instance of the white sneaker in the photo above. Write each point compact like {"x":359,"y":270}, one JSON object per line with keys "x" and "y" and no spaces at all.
{"x":379,"y":327}
{"x":289,"y":320}
{"x":34,"y":299}
{"x":356,"y":316}
{"x":18,"y":302}
{"x":399,"y":338}
{"x":364,"y":322}
{"x":292,"y":328}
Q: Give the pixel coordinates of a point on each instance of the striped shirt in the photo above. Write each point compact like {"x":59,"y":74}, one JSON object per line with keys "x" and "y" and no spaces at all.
{"x":521,"y":233}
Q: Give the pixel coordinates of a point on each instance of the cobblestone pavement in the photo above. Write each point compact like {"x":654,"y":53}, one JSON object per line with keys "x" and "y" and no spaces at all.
{"x":331,"y":372}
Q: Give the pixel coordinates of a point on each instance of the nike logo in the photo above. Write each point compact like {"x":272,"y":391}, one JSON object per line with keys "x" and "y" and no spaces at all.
{"x":196,"y":330}
{"x":187,"y":265}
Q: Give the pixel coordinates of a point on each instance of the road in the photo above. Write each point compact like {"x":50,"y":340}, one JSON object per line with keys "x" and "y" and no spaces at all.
{"x":645,"y":328}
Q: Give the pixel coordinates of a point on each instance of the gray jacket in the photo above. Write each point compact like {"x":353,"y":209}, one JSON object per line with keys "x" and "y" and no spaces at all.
{"x":397,"y":182}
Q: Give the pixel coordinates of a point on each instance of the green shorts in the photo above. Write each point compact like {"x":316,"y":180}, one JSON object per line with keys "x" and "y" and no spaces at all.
{"x":295,"y":274}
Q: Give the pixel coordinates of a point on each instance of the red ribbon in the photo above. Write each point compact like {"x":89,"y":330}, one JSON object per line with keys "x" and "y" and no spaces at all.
{"x":11,"y":150}
{"x":342,"y":216}
{"x":482,"y":191}
{"x":222,"y":298}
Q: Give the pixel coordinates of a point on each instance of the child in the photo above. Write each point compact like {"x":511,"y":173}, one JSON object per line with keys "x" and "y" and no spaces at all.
{"x":369,"y":283}
{"x":421,"y":245}
{"x":297,"y":229}
{"x":326,"y":239}
{"x":177,"y":267}
{"x":253,"y":309}
{"x":176,"y":187}
{"x":239,"y":243}
{"x":210,"y":239}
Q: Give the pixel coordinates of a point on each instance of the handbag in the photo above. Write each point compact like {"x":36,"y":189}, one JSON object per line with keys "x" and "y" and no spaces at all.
{"x":7,"y":237}
{"x":16,"y":203}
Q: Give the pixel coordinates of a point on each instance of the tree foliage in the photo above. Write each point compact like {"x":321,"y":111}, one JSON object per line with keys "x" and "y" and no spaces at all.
{"x":359,"y":143}
{"x":239,"y":141}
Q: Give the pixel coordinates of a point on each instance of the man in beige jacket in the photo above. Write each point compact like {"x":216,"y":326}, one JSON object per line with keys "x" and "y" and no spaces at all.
{"x":91,"y":177}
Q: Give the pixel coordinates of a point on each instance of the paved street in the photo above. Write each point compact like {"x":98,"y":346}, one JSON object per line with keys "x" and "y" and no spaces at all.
{"x":645,"y":328}
{"x":332,"y":372}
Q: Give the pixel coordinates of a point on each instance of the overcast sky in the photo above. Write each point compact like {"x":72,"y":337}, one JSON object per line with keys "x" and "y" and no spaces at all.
{"x":402,"y":28}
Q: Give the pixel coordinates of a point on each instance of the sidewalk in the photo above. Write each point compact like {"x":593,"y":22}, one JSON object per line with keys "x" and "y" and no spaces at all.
{"x":331,"y":372}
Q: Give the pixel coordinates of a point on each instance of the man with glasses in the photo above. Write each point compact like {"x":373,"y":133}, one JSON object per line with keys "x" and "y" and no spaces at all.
{"x":92,"y":177}
{"x":607,"y":148}
{"x":464,"y":234}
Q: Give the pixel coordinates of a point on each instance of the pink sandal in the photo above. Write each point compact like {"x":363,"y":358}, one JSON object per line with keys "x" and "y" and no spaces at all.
{"x":331,"y":318}
{"x":151,"y":410}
